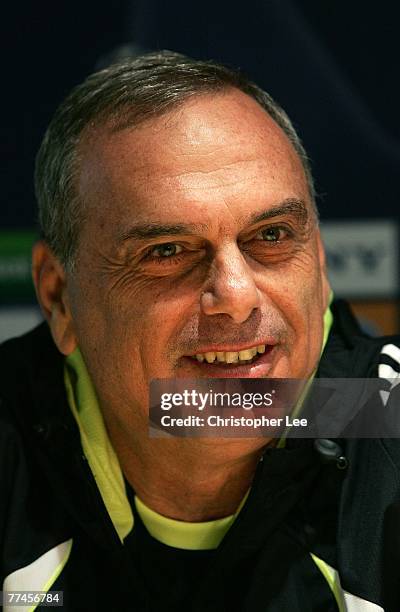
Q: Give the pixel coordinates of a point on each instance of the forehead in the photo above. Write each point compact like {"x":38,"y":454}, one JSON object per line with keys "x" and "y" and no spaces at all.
{"x":210,"y":151}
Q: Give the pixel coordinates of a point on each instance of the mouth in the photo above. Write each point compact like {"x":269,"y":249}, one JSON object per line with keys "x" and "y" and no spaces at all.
{"x":249,"y":362}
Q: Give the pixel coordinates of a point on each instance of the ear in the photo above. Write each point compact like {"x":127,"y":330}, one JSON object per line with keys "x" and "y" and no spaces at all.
{"x":51,"y":290}
{"x":326,"y":288}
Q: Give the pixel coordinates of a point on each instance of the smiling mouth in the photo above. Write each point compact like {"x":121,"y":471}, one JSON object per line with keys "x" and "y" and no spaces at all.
{"x":256,"y":361}
{"x":232,"y":358}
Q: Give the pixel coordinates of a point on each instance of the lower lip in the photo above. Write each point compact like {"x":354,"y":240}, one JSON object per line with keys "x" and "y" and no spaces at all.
{"x":258,"y":369}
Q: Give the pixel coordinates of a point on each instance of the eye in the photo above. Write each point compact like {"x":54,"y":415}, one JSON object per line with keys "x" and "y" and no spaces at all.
{"x":166,"y":250}
{"x":272,"y":234}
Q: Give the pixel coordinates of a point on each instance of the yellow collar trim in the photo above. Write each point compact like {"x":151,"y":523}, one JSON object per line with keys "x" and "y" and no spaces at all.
{"x":96,"y":444}
{"x":189,"y":536}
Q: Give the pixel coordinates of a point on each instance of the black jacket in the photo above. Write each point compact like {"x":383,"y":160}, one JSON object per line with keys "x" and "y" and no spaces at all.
{"x":298,"y":503}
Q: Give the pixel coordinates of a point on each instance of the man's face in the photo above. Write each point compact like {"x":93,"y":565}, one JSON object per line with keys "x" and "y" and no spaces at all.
{"x":199,"y":238}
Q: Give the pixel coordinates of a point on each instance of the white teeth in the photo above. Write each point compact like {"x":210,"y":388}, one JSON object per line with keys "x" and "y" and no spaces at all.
{"x":231,"y":356}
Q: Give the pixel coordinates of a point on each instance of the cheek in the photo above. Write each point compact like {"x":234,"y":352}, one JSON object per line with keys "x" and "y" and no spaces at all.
{"x":153,"y":311}
{"x":295,"y":290}
{"x":123,"y":311}
{"x":295,"y":287}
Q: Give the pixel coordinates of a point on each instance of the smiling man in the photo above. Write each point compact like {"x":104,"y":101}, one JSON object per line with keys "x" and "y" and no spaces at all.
{"x":180,"y":240}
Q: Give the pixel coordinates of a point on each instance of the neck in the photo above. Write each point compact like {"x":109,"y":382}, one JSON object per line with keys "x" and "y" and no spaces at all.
{"x":188,"y":479}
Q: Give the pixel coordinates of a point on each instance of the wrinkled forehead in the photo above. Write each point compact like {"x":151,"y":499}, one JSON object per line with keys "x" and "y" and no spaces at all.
{"x":212,"y":147}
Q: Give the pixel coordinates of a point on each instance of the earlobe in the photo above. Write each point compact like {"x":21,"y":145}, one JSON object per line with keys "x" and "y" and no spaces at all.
{"x":51,"y":290}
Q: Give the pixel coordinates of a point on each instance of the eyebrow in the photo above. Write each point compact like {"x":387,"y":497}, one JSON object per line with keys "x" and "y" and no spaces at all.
{"x":154,"y":230}
{"x":292,"y":207}
{"x":296,"y":208}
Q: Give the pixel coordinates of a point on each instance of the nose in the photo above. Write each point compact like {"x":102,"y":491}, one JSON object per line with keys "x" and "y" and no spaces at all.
{"x":230,"y":288}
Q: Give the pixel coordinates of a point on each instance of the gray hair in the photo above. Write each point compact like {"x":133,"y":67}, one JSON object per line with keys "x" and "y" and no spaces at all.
{"x":126,"y":94}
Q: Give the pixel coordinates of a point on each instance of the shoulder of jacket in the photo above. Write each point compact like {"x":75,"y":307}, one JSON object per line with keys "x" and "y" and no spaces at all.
{"x":31,"y":379}
{"x":350,"y":352}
